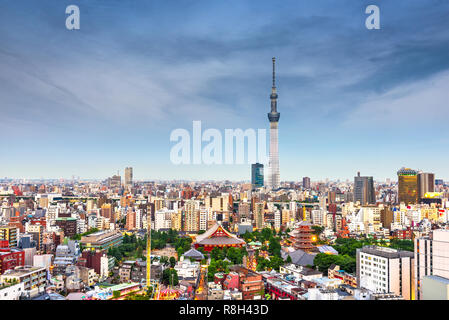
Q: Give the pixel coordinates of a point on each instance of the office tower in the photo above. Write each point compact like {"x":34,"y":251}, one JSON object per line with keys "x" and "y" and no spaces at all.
{"x":130,"y":219}
{"x":259,"y":215}
{"x":286,"y":216}
{"x":128,"y":176}
{"x":191,"y":216}
{"x":385,"y":270}
{"x":364,"y":190}
{"x":386,"y":217}
{"x":9,"y":234}
{"x":426,"y":183}
{"x":256,"y":175}
{"x":306,"y":183}
{"x":203,"y":219}
{"x":37,"y":231}
{"x":431,"y":258}
{"x":176,"y":221}
{"x":331,"y":196}
{"x":115,"y":181}
{"x":273,"y":180}
{"x":407,"y":186}
{"x":106,"y":211}
{"x":319,"y":217}
{"x":221,"y":204}
{"x":244,"y":211}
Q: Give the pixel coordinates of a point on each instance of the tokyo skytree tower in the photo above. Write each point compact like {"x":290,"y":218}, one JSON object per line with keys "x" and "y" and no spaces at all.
{"x":273,"y":180}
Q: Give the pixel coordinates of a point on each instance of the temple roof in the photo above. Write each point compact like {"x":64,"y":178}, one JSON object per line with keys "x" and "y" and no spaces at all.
{"x":194,"y":254}
{"x":210,"y":238}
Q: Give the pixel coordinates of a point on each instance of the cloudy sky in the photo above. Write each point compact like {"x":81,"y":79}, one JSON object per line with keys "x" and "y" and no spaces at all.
{"x":89,"y":102}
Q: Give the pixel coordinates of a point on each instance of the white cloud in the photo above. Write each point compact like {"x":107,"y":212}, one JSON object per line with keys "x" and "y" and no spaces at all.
{"x":425,"y":101}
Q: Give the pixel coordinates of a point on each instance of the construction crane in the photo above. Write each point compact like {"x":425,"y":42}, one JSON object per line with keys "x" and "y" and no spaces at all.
{"x":148,"y":250}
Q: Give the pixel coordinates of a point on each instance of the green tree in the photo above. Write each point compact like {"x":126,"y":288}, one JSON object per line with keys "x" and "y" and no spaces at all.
{"x":266,"y":234}
{"x":276,"y":262}
{"x":323,"y":261}
{"x":274,"y":247}
{"x":317,"y":230}
{"x":164,"y":260}
{"x":172,"y":261}
{"x":170,"y":277}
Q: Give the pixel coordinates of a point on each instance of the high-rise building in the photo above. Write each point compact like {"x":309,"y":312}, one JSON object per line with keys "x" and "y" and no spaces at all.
{"x":191,"y":216}
{"x":244,"y":211}
{"x":106,"y":211}
{"x":128,"y":176}
{"x":130,"y":219}
{"x":426,"y":183}
{"x":407,"y":186}
{"x":306,"y":183}
{"x":9,"y":234}
{"x":364,"y":190}
{"x":256,"y":175}
{"x":385,"y":270}
{"x":259,"y":215}
{"x":386,"y":217}
{"x":115,"y":181}
{"x":273,"y":180}
{"x":431,"y":258}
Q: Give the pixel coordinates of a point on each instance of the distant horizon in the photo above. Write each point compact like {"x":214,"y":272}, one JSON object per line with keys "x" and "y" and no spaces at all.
{"x":193,"y":180}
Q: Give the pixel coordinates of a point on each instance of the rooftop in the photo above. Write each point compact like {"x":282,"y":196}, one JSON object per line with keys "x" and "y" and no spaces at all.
{"x":20,"y":271}
{"x":388,"y":253}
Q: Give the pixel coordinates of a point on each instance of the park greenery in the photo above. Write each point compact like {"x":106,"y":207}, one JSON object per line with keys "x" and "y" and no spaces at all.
{"x":160,"y":239}
{"x":264,"y":235}
{"x":221,"y":259}
{"x":274,"y":260}
{"x":323,"y":261}
{"x":347,"y":249}
{"x":131,"y":247}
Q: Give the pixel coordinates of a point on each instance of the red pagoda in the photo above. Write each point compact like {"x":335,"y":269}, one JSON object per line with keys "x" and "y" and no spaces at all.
{"x":303,"y":237}
{"x":217,"y":236}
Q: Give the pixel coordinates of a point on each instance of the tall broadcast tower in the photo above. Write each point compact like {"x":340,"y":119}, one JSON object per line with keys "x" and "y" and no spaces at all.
{"x":273,"y":180}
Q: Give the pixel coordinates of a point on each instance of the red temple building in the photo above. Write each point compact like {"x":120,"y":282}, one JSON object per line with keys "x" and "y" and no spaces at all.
{"x":303,"y":237}
{"x":218,"y":237}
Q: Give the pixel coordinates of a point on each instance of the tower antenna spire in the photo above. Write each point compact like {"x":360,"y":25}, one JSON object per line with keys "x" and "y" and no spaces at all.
{"x":274,"y":72}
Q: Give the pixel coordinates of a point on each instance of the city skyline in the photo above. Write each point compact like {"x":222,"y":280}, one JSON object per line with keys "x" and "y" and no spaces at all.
{"x":89,"y":101}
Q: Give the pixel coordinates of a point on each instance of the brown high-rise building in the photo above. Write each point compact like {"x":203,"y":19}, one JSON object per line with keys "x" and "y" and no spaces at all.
{"x":130,"y":219}
{"x":67,"y":225}
{"x":331,"y":196}
{"x":106,"y":211}
{"x":244,"y":211}
{"x":407,"y":186}
{"x":128,"y":176}
{"x":426,"y":183}
{"x":306,"y":182}
{"x":386,"y":217}
{"x":191,"y":216}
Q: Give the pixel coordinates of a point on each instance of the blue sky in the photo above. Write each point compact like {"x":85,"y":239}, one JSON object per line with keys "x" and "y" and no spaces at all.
{"x":92,"y":101}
